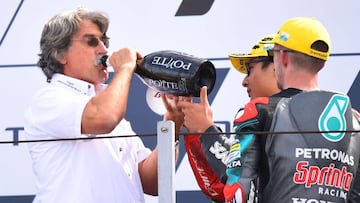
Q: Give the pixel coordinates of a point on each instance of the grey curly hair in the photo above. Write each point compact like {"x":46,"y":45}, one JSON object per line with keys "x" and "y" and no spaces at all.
{"x":57,"y":34}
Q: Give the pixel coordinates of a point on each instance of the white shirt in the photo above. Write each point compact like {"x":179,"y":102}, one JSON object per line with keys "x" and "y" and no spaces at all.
{"x":81,"y":171}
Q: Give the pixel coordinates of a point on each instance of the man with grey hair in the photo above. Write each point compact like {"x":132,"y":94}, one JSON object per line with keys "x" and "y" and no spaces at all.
{"x":75,"y":104}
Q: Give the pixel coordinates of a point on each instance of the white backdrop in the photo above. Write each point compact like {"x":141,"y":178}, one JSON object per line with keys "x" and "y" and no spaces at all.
{"x":229,"y":26}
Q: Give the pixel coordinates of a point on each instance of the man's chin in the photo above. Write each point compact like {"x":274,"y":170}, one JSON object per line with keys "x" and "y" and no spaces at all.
{"x":101,"y":80}
{"x":104,"y":75}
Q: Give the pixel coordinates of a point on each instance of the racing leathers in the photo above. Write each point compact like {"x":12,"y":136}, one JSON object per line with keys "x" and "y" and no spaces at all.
{"x":306,"y":166}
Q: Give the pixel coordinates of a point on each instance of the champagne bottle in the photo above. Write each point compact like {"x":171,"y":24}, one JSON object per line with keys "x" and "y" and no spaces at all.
{"x":176,"y":73}
{"x":173,"y":72}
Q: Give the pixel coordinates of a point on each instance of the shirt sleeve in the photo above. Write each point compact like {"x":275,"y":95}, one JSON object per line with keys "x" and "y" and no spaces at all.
{"x":56,"y":114}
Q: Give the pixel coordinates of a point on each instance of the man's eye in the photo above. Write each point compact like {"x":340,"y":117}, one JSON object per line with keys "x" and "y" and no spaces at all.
{"x":248,"y":70}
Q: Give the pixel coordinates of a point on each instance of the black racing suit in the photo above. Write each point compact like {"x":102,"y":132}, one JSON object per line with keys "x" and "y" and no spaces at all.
{"x":302,"y":167}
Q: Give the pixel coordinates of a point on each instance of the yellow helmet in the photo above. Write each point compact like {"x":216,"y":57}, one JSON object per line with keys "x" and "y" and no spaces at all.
{"x":305,"y":35}
{"x":261,"y":49}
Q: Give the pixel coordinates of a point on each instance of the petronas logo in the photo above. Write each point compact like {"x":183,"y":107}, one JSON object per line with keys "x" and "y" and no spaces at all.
{"x":333,"y":118}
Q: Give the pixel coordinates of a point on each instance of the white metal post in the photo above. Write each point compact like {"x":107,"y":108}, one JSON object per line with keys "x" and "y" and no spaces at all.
{"x":166,"y":161}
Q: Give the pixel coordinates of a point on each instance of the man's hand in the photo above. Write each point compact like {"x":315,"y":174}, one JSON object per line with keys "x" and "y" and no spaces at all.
{"x":173,"y":111}
{"x":198,"y":116}
{"x":124,"y":58}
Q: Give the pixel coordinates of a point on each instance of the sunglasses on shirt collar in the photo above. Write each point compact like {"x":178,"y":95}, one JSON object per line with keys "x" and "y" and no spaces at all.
{"x":93,"y":41}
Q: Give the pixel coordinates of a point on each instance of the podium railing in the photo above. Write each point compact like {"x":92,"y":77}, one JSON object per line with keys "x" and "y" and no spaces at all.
{"x":166,"y":161}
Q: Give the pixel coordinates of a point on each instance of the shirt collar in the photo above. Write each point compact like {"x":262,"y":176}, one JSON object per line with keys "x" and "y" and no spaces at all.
{"x":73,"y":84}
